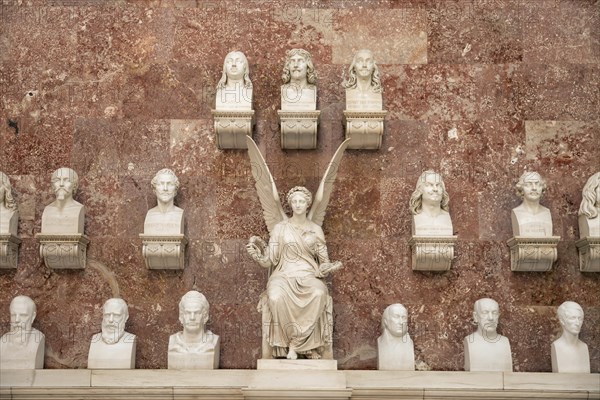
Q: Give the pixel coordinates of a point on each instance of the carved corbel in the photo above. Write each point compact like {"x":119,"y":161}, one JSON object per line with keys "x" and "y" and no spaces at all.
{"x":232,"y":127}
{"x":298,"y":129}
{"x":9,"y":251}
{"x":589,"y":254}
{"x":63,"y":251}
{"x":164,"y":252}
{"x":432,"y":253}
{"x":364,"y":128}
{"x":535,"y":254}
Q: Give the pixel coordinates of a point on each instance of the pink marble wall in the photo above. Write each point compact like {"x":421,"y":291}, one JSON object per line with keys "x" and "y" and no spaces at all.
{"x":119,"y":89}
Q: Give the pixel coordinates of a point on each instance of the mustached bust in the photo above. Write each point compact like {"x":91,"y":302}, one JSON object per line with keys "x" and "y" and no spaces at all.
{"x":195,"y":347}
{"x":166,"y":218}
{"x":299,"y":90}
{"x":363,"y":87}
{"x":64,"y":215}
{"x":530,"y":218}
{"x":113,"y":348}
{"x":23,"y":346}
{"x":486,"y":349}
{"x":395,"y":348}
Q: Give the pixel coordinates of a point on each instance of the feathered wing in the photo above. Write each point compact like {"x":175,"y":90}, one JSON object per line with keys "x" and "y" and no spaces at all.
{"x":265,"y":187}
{"x":321,"y":200}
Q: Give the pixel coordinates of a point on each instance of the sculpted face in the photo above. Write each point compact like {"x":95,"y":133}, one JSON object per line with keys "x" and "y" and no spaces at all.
{"x":235,"y":65}
{"x":532,"y":187}
{"x":63,"y":183}
{"x":364,"y":64}
{"x":2,"y":192}
{"x":193,"y":317}
{"x":597,"y":195}
{"x":165,"y":188}
{"x":298,"y":203}
{"x":572,"y":320}
{"x":396,"y":320}
{"x":432,"y":189}
{"x":298,"y":67}
{"x":114,"y":318}
{"x":486,"y":315}
{"x":21,"y":315}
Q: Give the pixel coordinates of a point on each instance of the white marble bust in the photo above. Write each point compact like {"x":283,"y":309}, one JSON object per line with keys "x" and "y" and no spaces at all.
{"x":589,"y":211}
{"x":299,"y":90}
{"x":569,"y":354}
{"x":486,"y":349}
{"x":9,"y":216}
{"x":429,"y":205}
{"x":234,"y":90}
{"x":395,"y":348}
{"x":23,"y":346}
{"x":363,"y":87}
{"x":64,"y":216}
{"x":530,"y":218}
{"x":195,"y":347}
{"x":165,"y":218}
{"x":113,"y":348}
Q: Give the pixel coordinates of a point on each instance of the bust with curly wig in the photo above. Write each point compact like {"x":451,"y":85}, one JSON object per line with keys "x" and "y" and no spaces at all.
{"x":429,"y":206}
{"x":234,"y":90}
{"x":299,"y":90}
{"x":589,"y":211}
{"x":363,"y":87}
{"x":9,"y":216}
{"x":530,"y":218}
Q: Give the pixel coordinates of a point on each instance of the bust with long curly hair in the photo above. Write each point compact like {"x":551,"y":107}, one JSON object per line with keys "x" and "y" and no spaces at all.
{"x":9,"y":216}
{"x":363,"y":86}
{"x":589,"y":211}
{"x":234,"y":90}
{"x":429,"y":206}
{"x":299,"y":90}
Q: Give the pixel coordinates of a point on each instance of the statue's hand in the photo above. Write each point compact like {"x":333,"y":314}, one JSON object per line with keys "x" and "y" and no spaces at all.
{"x":255,"y":248}
{"x":326,"y":268}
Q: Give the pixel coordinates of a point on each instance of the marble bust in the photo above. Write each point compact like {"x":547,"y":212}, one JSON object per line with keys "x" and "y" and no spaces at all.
{"x":589,"y":219}
{"x":395,"y":348}
{"x":486,"y":349}
{"x":64,"y":216}
{"x":363,"y":87}
{"x":429,"y":205}
{"x":113,"y":348}
{"x":195,"y":347}
{"x":9,"y":216}
{"x":165,"y":218}
{"x":530,"y":218}
{"x":234,"y":90}
{"x":23,"y":346}
{"x":569,"y":354}
{"x":299,"y":90}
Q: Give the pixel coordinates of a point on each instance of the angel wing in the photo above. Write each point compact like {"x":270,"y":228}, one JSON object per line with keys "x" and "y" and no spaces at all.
{"x":321,"y":200}
{"x":265,"y":187}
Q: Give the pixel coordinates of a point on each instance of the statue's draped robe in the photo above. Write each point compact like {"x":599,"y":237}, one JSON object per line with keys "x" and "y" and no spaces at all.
{"x":297,"y":299}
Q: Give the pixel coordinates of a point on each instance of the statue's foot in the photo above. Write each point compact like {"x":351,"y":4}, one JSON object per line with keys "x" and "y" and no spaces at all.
{"x":313,"y":355}
{"x":292,"y":355}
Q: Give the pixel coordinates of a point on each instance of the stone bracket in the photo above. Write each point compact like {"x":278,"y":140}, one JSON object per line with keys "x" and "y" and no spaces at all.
{"x":589,"y":254}
{"x":298,"y":129}
{"x":533,"y":253}
{"x":63,"y":251}
{"x":9,"y":251}
{"x":232,"y":127}
{"x":432,"y":253}
{"x":164,"y":252}
{"x":365,"y":128}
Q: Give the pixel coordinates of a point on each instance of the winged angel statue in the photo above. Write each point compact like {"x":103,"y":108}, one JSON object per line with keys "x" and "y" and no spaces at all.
{"x":296,"y":307}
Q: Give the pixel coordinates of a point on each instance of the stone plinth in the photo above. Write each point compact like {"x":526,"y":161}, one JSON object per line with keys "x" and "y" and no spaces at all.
{"x":63,"y":251}
{"x":284,"y":364}
{"x":364,"y":128}
{"x":298,"y":129}
{"x":232,"y":127}
{"x":533,"y":254}
{"x":589,"y":254}
{"x":9,"y":251}
{"x":432,"y":253}
{"x":164,"y":252}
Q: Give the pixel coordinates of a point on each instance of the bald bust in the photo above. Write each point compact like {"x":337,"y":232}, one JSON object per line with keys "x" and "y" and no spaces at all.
{"x":395,"y":348}
{"x":569,"y":354}
{"x":486,"y":349}
{"x":23,"y":346}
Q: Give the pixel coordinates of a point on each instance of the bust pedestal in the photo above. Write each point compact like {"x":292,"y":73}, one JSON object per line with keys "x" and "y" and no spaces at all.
{"x":364,"y":128}
{"x":432,"y":253}
{"x":26,"y":353}
{"x":120,"y":355}
{"x":232,"y":127}
{"x":298,"y":117}
{"x":487,"y":355}
{"x":62,"y":242}
{"x":589,"y":244}
{"x":9,"y":251}
{"x":533,"y":248}
{"x":163,"y":241}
